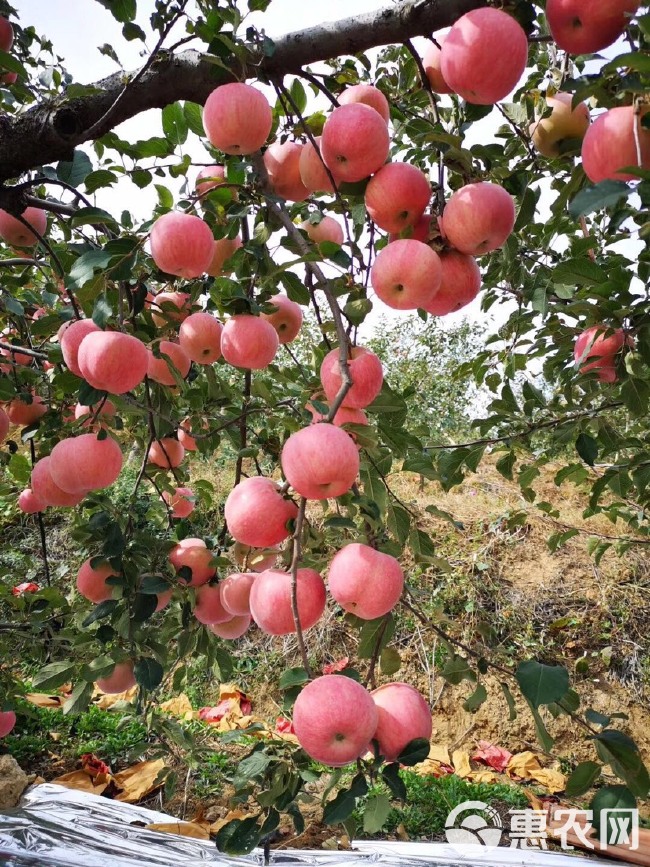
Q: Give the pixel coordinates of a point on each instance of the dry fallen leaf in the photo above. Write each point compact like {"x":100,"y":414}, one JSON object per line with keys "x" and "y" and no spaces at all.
{"x":180,"y":707}
{"x":139,"y":780}
{"x":554,"y":781}
{"x":522,"y":764}
{"x":40,"y":699}
{"x":460,"y":761}
{"x":83,"y":782}
{"x":185,"y":829}
{"x":104,"y":700}
{"x":494,"y":757}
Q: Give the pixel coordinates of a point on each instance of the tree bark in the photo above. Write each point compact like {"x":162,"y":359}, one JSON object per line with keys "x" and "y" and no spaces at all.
{"x":50,"y":131}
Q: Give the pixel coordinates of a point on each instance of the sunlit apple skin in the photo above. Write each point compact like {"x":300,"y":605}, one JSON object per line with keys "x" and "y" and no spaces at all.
{"x":334,"y":719}
{"x":237,"y":118}
{"x":403,"y":716}
{"x":484,"y":55}
{"x":365,"y":371}
{"x":257,"y":513}
{"x":236,"y":591}
{"x":180,"y":502}
{"x":312,"y":171}
{"x":91,"y":583}
{"x":431,"y":60}
{"x":320,"y":461}
{"x":460,"y":284}
{"x":610,"y":145}
{"x":367,"y":94}
{"x":22,"y":413}
{"x":328,"y":229}
{"x":7,"y":722}
{"x":85,"y":463}
{"x":364,"y":581}
{"x":583,"y":27}
{"x":564,"y":123}
{"x":479,"y":218}
{"x":602,"y":344}
{"x":282,"y":162}
{"x":181,"y":244}
{"x":6,"y":41}
{"x":224,"y":250}
{"x":355,"y":142}
{"x":70,"y":336}
{"x":46,"y":490}
{"x":120,"y":679}
{"x":13,"y":232}
{"x":287,"y":319}
{"x":171,"y":354}
{"x":169,"y":308}
{"x":406,"y":274}
{"x":270,"y":600}
{"x":209,"y":608}
{"x":396,"y":196}
{"x":167,"y":453}
{"x":249,"y":342}
{"x":193,"y":554}
{"x":29,"y":503}
{"x":233,"y":628}
{"x":112,"y":361}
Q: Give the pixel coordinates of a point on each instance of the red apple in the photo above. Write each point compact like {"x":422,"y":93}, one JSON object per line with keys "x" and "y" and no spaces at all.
{"x":85,"y":463}
{"x":47,"y":491}
{"x":286,"y":319}
{"x":181,"y":244}
{"x":119,"y":680}
{"x":364,"y":581}
{"x":209,"y":608}
{"x":224,"y":250}
{"x":421,"y":231}
{"x":431,"y":60}
{"x":166,"y":453}
{"x":355,"y":142}
{"x":270,"y":600}
{"x":29,"y":503}
{"x":7,"y":717}
{"x":256,"y":559}
{"x":236,"y":591}
{"x":13,"y":232}
{"x":366,"y":374}
{"x":484,"y":55}
{"x":181,"y":502}
{"x":6,"y":41}
{"x":367,"y":94}
{"x":249,"y":342}
{"x":169,"y":308}
{"x":209,"y":178}
{"x":194,"y":555}
{"x":237,"y":118}
{"x":610,"y":145}
{"x":479,"y":217}
{"x":257,"y":514}
{"x":112,"y":361}
{"x":406,"y":274}
{"x":603,"y":344}
{"x":282,"y":163}
{"x":328,"y":229}
{"x":233,"y":628}
{"x":461,"y":283}
{"x":312,"y":169}
{"x":583,"y":27}
{"x":334,"y":719}
{"x":403,"y":716}
{"x":91,"y":583}
{"x":23,"y":413}
{"x":200,"y":337}
{"x":343,"y":415}
{"x":171,"y":354}
{"x":320,"y":461}
{"x":397,"y":196}
{"x":564,"y":123}
{"x":70,"y":335}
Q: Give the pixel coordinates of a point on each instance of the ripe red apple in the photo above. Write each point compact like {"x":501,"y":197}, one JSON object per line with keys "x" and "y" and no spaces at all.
{"x":610,"y":145}
{"x":169,"y":308}
{"x":320,"y":461}
{"x":6,"y":41}
{"x":184,"y":435}
{"x":209,"y":178}
{"x":178,"y":551}
{"x":312,"y":170}
{"x":200,"y":337}
{"x":367,"y":94}
{"x":23,"y":413}
{"x":602,"y":344}
{"x":181,"y":244}
{"x":119,"y":680}
{"x":29,"y":503}
{"x":209,"y":608}
{"x":233,"y":628}
{"x":91,"y":583}
{"x":249,"y":342}
{"x":270,"y":600}
{"x":70,"y":336}
{"x":159,"y":369}
{"x":193,"y":554}
{"x":431,"y":60}
{"x":85,"y":463}
{"x":421,"y":231}
{"x":257,"y":513}
{"x":166,"y":453}
{"x":397,"y":196}
{"x":583,"y":27}
{"x":7,"y":719}
{"x":237,"y":118}
{"x":355,"y":142}
{"x":13,"y":232}
{"x":112,"y":361}
{"x":236,"y":591}
{"x":484,"y":55}
{"x":460,"y":284}
{"x":47,"y":491}
{"x":403,"y":716}
{"x":563,"y":123}
{"x":406,"y":274}
{"x":334,"y":719}
{"x":224,"y":249}
{"x":328,"y":229}
{"x":366,"y":374}
{"x":479,"y":217}
{"x":286,"y":319}
{"x":282,"y":163}
{"x":364,"y":581}
{"x":181,"y":502}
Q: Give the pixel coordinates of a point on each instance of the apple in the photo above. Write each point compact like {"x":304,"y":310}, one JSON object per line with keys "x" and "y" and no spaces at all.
{"x":334,"y":719}
{"x":312,"y":169}
{"x":159,"y":369}
{"x":195,"y":556}
{"x":602,"y":344}
{"x":29,"y":503}
{"x":406,"y":274}
{"x":70,"y":336}
{"x":328,"y":229}
{"x":184,"y":435}
{"x":367,"y":94}
{"x":270,"y":600}
{"x":563,"y":124}
{"x":237,"y":118}
{"x":431,"y":60}
{"x":478,"y":217}
{"x":179,"y":550}
{"x":484,"y":55}
{"x":181,"y":502}
{"x":250,"y":342}
{"x":91,"y":583}
{"x":286,"y":318}
{"x":200,"y":337}
{"x":397,"y":196}
{"x":343,"y":415}
{"x":112,"y":361}
{"x":610,"y":145}
{"x":224,"y":250}
{"x":119,"y":680}
{"x":47,"y":491}
{"x":7,"y":717}
{"x":23,"y":413}
{"x":320,"y":461}
{"x":6,"y":41}
{"x":583,"y":27}
{"x":233,"y":628}
{"x":4,"y":425}
{"x":13,"y":232}
{"x":365,"y":371}
{"x":169,"y":308}
{"x":167,"y":453}
{"x":257,"y":559}
{"x":421,"y":231}
{"x":282,"y":163}
{"x":209,"y":178}
{"x":403,"y":716}
{"x":355,"y":142}
{"x":236,"y":591}
{"x":181,"y":244}
{"x":85,"y":463}
{"x":209,"y":608}
{"x":364,"y":581}
{"x":257,"y":514}
{"x":461,"y":283}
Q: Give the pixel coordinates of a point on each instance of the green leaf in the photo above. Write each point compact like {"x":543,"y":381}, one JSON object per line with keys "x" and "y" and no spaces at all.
{"x":602,"y":195}
{"x":543,"y":736}
{"x":390,"y":661}
{"x":148,"y":672}
{"x":121,"y":10}
{"x":587,"y":448}
{"x":79,"y":698}
{"x":542,"y":684}
{"x":53,"y":675}
{"x":174,"y":123}
{"x":611,"y":798}
{"x":102,"y":311}
{"x":414,"y":752}
{"x":374,"y":632}
{"x":298,"y":95}
{"x":512,"y":707}
{"x":100,"y":612}
{"x":457,"y":669}
{"x":339,"y":808}
{"x":10,"y":62}
{"x":620,"y":751}
{"x":582,"y":779}
{"x":76,"y":170}
{"x":194,"y":118}
{"x":376,"y":812}
{"x":476,"y":699}
{"x":238,"y":837}
{"x":578,"y":272}
{"x":391,"y":777}
{"x":293,"y":677}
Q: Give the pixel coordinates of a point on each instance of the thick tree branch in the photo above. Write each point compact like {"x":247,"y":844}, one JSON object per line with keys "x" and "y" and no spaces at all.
{"x":50,"y":131}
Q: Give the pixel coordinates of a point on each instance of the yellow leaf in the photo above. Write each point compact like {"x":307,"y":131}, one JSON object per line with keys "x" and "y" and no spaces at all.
{"x":104,"y":701}
{"x":40,"y":699}
{"x":139,"y":780}
{"x":83,"y":782}
{"x":522,"y":765}
{"x":185,"y":829}
{"x":460,"y":761}
{"x":180,"y":707}
{"x":554,"y":781}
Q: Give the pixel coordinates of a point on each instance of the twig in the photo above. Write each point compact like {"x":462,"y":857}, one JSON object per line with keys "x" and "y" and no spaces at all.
{"x":41,"y":524}
{"x":51,"y":205}
{"x":243,"y":428}
{"x":23,"y":350}
{"x":295,"y":561}
{"x":14,"y":263}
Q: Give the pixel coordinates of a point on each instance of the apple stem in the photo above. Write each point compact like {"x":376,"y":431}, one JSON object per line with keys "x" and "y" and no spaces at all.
{"x":295,"y":562}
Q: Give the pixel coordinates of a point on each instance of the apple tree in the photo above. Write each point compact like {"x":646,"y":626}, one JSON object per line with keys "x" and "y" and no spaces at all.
{"x":327,"y":176}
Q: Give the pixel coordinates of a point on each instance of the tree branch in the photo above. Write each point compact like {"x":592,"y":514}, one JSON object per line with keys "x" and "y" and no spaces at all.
{"x":295,"y":562}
